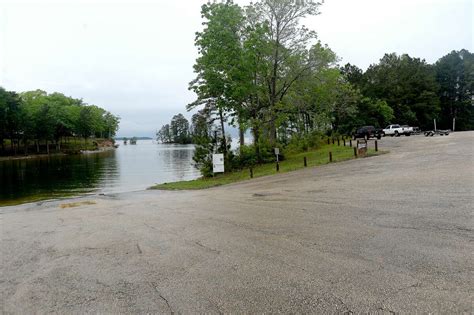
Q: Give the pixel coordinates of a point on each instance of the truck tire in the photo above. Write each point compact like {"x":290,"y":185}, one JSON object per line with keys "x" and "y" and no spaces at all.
{"x":397,"y":134}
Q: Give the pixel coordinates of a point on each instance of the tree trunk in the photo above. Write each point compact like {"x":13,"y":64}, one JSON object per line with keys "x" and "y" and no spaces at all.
{"x":273,"y":92}
{"x":256,"y":136}
{"x":224,"y":140}
{"x":25,"y":142}
{"x":241,"y":136}
{"x":47,"y":146}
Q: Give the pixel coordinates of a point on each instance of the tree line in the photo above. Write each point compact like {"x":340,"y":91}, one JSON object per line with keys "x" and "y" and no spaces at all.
{"x":35,"y":117}
{"x":259,"y":69}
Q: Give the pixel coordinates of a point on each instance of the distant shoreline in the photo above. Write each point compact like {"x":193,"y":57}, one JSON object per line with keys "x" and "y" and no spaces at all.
{"x":128,"y":138}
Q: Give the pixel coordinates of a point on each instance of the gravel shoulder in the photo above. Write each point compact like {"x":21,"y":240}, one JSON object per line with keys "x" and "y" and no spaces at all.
{"x":392,"y":233}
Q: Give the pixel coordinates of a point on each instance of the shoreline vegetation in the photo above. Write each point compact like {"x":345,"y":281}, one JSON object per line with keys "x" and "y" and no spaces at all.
{"x":37,"y":122}
{"x":292,"y":162}
{"x":70,"y":146}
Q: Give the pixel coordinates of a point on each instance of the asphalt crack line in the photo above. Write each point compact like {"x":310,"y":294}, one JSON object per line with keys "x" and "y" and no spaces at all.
{"x":153,"y":285}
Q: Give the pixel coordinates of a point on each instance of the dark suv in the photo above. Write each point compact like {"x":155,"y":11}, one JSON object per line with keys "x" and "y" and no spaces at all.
{"x":367,"y":132}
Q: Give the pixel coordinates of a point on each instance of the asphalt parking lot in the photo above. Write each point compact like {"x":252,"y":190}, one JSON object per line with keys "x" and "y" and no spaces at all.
{"x":392,"y":233}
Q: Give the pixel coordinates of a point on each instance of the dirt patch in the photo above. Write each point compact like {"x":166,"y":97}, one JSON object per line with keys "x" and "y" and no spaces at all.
{"x":76,"y":204}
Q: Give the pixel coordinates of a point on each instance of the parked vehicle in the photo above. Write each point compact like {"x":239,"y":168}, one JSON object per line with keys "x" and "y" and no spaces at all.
{"x":416,"y":131}
{"x":431,"y":133}
{"x":397,"y":130}
{"x":367,"y":132}
{"x":407,"y":129}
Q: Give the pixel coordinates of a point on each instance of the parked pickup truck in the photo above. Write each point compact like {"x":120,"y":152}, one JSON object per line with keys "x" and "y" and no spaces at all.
{"x":367,"y":132}
{"x":397,"y":130}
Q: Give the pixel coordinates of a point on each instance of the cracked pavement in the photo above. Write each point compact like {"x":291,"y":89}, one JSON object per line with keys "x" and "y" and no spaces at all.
{"x":386,"y":234}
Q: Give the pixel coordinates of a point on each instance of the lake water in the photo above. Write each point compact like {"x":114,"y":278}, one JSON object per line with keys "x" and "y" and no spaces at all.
{"x":129,"y":168}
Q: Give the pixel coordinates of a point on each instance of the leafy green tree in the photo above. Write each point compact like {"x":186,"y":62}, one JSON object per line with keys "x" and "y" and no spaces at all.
{"x":111,"y":124}
{"x":220,"y":51}
{"x":409,"y":87}
{"x":179,"y":129}
{"x":85,"y":124}
{"x":10,"y":116}
{"x":204,"y":143}
{"x":289,"y":59}
{"x":164,"y":134}
{"x":455,"y":75}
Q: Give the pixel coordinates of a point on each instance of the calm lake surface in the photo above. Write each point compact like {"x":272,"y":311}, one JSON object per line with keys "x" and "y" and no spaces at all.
{"x":129,"y":168}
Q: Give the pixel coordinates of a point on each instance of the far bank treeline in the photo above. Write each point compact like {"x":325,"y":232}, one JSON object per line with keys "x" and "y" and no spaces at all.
{"x":259,"y":69}
{"x":31,"y":121}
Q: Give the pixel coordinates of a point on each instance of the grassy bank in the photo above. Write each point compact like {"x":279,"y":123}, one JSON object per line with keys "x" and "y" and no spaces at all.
{"x":292,"y":162}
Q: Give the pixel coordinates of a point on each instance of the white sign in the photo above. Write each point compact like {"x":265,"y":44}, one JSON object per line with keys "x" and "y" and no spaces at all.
{"x":277,"y":151}
{"x":218,"y":163}
{"x":362,"y":145}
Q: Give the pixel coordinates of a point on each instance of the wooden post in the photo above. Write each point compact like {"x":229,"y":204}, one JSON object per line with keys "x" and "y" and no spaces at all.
{"x":355,"y":151}
{"x":305,"y":162}
{"x":251,"y":172}
{"x":278,"y":167}
{"x":338,"y":142}
{"x":350,"y":143}
{"x":344,"y":141}
{"x":330,"y":156}
{"x":376,"y":146}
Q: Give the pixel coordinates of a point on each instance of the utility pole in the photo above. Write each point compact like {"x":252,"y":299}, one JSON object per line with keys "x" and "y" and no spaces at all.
{"x":434,"y":124}
{"x":454,"y":124}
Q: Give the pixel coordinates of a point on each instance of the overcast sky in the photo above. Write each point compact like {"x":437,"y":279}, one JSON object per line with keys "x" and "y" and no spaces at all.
{"x":135,"y":58}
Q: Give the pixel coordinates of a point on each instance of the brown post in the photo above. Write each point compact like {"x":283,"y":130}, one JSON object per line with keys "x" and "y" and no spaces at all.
{"x":305,"y":162}
{"x":278,"y":167}
{"x":251,"y":172}
{"x":330,"y":156}
{"x":355,"y":151}
{"x":338,"y":142}
{"x":344,"y":141}
{"x":350,"y":143}
{"x":328,"y":140}
{"x":376,"y":146}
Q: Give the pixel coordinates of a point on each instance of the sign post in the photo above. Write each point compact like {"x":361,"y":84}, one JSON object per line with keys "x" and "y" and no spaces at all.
{"x":277,"y":153}
{"x":218,"y":163}
{"x":362,"y":148}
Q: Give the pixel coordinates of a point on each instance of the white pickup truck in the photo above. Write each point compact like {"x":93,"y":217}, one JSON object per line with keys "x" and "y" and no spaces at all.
{"x":397,"y":130}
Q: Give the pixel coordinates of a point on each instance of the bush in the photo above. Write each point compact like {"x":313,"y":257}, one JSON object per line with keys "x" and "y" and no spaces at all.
{"x":304,"y":143}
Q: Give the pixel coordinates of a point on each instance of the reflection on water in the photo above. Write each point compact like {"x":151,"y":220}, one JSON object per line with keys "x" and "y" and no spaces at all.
{"x":130,"y":167}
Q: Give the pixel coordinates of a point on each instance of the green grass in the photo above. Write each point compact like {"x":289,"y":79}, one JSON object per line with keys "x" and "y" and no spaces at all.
{"x":291,"y":163}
